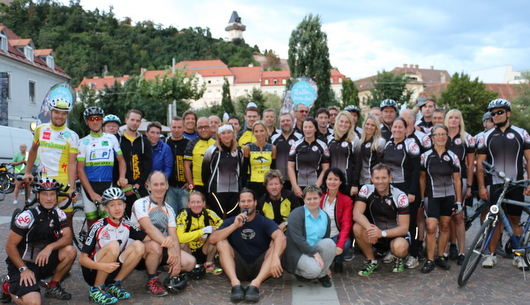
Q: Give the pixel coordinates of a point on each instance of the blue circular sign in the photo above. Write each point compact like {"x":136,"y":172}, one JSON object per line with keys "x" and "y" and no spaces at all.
{"x":303,"y":92}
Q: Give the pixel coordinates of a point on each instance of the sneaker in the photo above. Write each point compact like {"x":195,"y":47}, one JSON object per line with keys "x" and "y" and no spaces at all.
{"x":117,"y":291}
{"x":155,"y":288}
{"x":58,"y":293}
{"x":428,"y":266}
{"x":441,"y":261}
{"x":325,"y":281}
{"x":461,"y":258}
{"x":389,"y":257}
{"x":422,"y":254}
{"x":368,"y":269}
{"x":350,"y":256}
{"x":100,"y":296}
{"x":520,"y":262}
{"x":398,"y":265}
{"x":490,"y":261}
{"x":411,"y":262}
{"x":453,"y":252}
{"x":212,"y":269}
{"x":15,"y":202}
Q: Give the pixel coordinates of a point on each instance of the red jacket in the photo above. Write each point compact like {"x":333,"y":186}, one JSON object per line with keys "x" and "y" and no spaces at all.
{"x":343,"y":216}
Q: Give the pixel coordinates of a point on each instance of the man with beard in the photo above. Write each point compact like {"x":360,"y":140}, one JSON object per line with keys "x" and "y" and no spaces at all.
{"x":283,"y":141}
{"x":194,"y":154}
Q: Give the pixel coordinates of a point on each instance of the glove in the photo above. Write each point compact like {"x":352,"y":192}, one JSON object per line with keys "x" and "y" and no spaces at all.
{"x":207,"y":230}
{"x":458,"y":207}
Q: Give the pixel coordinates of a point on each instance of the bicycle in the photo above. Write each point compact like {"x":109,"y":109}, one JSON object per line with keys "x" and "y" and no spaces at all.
{"x":80,"y":227}
{"x":7,"y":179}
{"x":480,"y":245}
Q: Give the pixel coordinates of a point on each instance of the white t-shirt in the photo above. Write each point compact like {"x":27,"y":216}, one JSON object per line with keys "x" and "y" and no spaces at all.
{"x":329,"y":208}
{"x":163,"y":218}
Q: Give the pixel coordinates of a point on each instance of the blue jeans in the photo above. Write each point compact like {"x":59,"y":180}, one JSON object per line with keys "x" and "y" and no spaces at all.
{"x":177,"y":198}
{"x":347,"y":244}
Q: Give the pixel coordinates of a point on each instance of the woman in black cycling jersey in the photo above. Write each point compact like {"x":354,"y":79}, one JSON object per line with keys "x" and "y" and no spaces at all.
{"x":221,"y":171}
{"x":440,"y":184}
{"x":344,"y":151}
{"x":372,"y":147}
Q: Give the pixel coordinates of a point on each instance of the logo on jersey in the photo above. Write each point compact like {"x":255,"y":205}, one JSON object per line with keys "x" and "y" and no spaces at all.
{"x":400,"y":146}
{"x":314,"y":148}
{"x":414,"y":148}
{"x":446,"y":158}
{"x":67,"y":134}
{"x":388,"y":201}
{"x":291,"y":142}
{"x":23,"y":220}
{"x":403,"y":201}
{"x":510,"y":135}
{"x":100,"y":154}
{"x":426,"y":142}
{"x":344,"y":144}
{"x":363,"y":192}
{"x":105,"y":235}
{"x":86,"y":141}
{"x":368,"y":145}
{"x":480,"y":142}
{"x":526,"y":137}
{"x":234,"y":153}
{"x":46,"y":135}
{"x":248,"y":234}
{"x":458,"y":141}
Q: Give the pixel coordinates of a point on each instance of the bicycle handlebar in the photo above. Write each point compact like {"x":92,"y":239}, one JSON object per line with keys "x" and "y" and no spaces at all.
{"x":493,"y":170}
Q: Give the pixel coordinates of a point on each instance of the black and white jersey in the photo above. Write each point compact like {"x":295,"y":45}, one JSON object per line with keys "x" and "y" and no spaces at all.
{"x":505,"y":150}
{"x":423,"y":140}
{"x":359,"y":131}
{"x":308,"y":159}
{"x":440,"y":170}
{"x":369,"y":158}
{"x":221,"y":170}
{"x":424,"y":126}
{"x":386,"y":133}
{"x":461,"y":148}
{"x":346,"y":156}
{"x":383,"y":211}
{"x":403,"y":159}
{"x":283,"y":147}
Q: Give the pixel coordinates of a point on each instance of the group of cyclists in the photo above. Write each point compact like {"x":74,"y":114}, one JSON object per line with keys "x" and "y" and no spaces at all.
{"x":419,"y":163}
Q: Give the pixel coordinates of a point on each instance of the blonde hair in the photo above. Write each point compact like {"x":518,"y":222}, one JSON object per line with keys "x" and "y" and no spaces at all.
{"x":461,"y":125}
{"x":377,"y":131}
{"x":233,"y":141}
{"x":262,"y":123}
{"x":351,"y":131}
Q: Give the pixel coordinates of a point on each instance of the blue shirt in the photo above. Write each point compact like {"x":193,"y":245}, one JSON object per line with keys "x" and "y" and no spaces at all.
{"x":315,"y":228}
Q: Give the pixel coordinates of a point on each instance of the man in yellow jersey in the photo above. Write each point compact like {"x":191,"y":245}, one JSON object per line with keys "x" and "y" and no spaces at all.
{"x":195,"y":153}
{"x":56,"y":145}
{"x":251,"y":116}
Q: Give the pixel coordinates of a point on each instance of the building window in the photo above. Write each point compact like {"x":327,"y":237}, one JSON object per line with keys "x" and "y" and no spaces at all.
{"x":3,"y":42}
{"x":331,"y":80}
{"x":209,"y":82}
{"x":8,"y":87}
{"x":340,"y":80}
{"x":284,"y":81}
{"x":32,"y":92}
{"x":275,"y":81}
{"x":266,"y":82}
{"x":50,"y":61}
{"x":28,"y":51}
{"x":209,"y":93}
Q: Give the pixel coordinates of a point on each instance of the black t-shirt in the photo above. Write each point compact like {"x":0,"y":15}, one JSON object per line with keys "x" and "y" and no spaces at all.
{"x":383,"y":211}
{"x":440,"y":170}
{"x":177,"y":178}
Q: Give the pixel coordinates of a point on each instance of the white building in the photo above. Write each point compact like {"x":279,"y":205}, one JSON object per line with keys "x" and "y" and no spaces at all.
{"x":498,"y":75}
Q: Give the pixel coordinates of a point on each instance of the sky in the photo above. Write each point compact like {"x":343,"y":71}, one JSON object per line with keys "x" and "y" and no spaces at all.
{"x":364,"y":37}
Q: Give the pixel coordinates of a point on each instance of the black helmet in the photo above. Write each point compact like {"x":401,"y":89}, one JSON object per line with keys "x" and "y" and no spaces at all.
{"x":486,"y":116}
{"x":500,"y":103}
{"x":353,"y":108}
{"x":47,"y":184}
{"x":198,"y":272}
{"x":176,"y":283}
{"x":93,"y":111}
{"x":389,"y":103}
{"x":111,"y":118}
{"x":112,"y":193}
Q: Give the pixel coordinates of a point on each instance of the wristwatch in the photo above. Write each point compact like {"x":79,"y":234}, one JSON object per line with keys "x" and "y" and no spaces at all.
{"x":383,"y":233}
{"x":22,"y":269}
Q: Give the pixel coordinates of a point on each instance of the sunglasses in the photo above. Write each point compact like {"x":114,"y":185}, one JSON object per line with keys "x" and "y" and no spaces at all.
{"x":498,"y":112}
{"x":95,"y":119}
{"x":304,"y":111}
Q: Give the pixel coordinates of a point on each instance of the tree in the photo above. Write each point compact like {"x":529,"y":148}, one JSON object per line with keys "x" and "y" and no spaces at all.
{"x":308,"y":56}
{"x":388,"y":85}
{"x":226,"y":101}
{"x":470,"y":97}
{"x":520,"y":109}
{"x":349,"y":93}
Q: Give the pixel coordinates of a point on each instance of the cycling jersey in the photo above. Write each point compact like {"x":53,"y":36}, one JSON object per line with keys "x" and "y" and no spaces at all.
{"x":221,"y":170}
{"x":283,"y":147}
{"x":346,"y":156}
{"x":177,"y":177}
{"x":423,"y":140}
{"x":383,"y":211}
{"x":189,"y":226}
{"x":245,"y":137}
{"x":278,"y":210}
{"x":385,"y":132}
{"x":55,"y":146}
{"x":163,"y":218}
{"x":260,"y":161}
{"x":505,"y":151}
{"x":308,"y":159}
{"x":195,"y":153}
{"x":104,"y":231}
{"x":461,"y":149}
{"x":424,"y":126}
{"x":328,"y":136}
{"x":404,"y":163}
{"x":440,"y":170}
{"x":190,"y":136}
{"x":369,"y":158}
{"x":98,"y":152}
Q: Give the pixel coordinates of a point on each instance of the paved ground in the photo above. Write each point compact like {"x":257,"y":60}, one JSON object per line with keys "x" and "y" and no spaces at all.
{"x":503,"y":284}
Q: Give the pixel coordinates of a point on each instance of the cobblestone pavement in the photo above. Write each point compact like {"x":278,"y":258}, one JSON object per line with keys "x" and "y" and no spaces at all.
{"x":502,"y":284}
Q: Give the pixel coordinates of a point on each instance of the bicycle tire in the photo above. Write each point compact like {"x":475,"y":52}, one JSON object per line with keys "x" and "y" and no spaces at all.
{"x":2,"y":193}
{"x":476,"y":250}
{"x":79,"y":227}
{"x":10,"y":187}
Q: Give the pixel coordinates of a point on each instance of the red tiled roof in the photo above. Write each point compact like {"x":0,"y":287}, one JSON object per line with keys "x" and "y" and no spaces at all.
{"x":246,"y":74}
{"x":15,"y":41}
{"x":201,"y":64}
{"x":280,"y":74}
{"x":43,"y":52}
{"x":428,"y":76}
{"x":214,"y":72}
{"x":336,"y":73}
{"x":505,"y":91}
{"x":150,"y":75}
{"x":99,"y":83}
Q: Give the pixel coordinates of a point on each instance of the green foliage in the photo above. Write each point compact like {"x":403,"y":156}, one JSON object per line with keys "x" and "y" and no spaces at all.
{"x":273,"y":101}
{"x":308,"y":56}
{"x":349,"y":93}
{"x":85,"y":42}
{"x":388,"y":85}
{"x":520,"y":106}
{"x":76,"y":121}
{"x":468,"y":96}
{"x":226,"y":101}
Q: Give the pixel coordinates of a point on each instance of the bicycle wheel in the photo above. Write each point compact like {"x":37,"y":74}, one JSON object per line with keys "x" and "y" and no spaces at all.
{"x":2,"y":192}
{"x":476,"y":250}
{"x":79,"y":227}
{"x":9,"y":183}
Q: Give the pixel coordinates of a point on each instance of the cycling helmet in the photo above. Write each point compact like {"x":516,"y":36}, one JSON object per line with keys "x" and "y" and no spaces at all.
{"x":176,"y":283}
{"x":500,"y":103}
{"x":389,"y":103}
{"x":93,"y":111}
{"x":112,"y":193}
{"x":353,"y":108}
{"x":111,"y":118}
{"x":60,"y":104}
{"x":486,"y":116}
{"x":47,"y":184}
{"x":198,"y":272}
